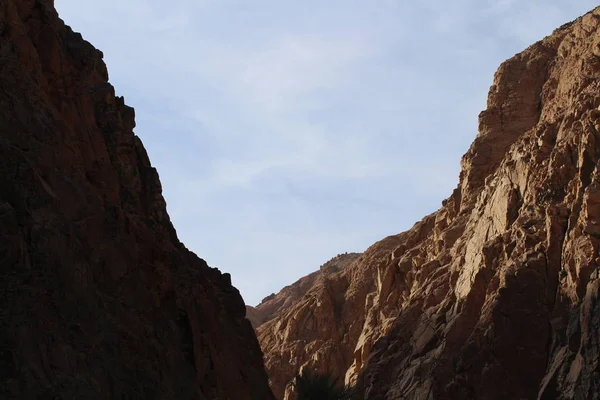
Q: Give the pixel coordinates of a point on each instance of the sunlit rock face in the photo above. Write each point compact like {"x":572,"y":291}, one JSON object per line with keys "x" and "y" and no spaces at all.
{"x":305,"y":324}
{"x":495,"y":295}
{"x":98,"y":298}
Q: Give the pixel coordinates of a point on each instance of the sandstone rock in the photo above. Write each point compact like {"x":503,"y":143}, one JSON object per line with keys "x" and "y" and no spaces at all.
{"x":98,"y":298}
{"x":291,"y":322}
{"x":495,"y":295}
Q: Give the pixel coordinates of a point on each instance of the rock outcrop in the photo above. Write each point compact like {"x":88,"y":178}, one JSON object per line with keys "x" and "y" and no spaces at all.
{"x":303,"y":313}
{"x":98,"y":298}
{"x":495,"y":295}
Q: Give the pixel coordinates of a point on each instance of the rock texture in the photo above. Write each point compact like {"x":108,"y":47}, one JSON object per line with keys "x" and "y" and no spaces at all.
{"x":98,"y":298}
{"x":311,"y":311}
{"x":288,"y":297}
{"x":495,"y":295}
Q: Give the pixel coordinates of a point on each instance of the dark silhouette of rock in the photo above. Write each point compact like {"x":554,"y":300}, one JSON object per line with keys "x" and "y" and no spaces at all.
{"x":98,"y":298}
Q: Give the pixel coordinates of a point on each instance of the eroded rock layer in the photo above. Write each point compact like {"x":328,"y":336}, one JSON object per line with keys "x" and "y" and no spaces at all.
{"x":495,"y":295}
{"x":98,"y":298}
{"x":306,"y":321}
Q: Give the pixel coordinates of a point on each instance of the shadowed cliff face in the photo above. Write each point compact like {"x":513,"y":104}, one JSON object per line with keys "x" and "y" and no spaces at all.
{"x":495,"y":295}
{"x":98,"y":298}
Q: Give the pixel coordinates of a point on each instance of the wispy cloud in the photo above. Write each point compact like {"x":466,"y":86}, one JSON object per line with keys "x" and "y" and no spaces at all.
{"x":286,"y":132}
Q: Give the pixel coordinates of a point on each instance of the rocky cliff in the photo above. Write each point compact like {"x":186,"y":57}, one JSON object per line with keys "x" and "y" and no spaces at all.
{"x":310,"y":311}
{"x":289,"y":297}
{"x":495,"y":295}
{"x":98,"y":298}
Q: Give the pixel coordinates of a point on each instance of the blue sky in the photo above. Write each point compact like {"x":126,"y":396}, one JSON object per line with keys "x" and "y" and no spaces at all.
{"x":286,"y":132}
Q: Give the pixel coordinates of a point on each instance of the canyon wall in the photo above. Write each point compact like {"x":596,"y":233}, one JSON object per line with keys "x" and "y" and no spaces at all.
{"x":495,"y":295}
{"x":305,"y":324}
{"x":98,"y":298}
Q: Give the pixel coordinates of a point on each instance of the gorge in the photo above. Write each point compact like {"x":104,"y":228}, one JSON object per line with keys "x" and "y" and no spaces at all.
{"x":493,"y":296}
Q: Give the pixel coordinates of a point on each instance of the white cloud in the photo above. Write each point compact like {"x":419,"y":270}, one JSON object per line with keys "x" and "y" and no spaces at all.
{"x":295,"y":67}
{"x":286,"y":132}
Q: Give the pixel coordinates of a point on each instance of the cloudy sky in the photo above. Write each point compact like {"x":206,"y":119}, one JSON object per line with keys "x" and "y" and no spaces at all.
{"x":286,"y":132}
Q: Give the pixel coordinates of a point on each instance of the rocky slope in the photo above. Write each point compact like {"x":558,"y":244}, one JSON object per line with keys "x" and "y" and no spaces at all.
{"x":307,"y":312}
{"x":98,"y":298}
{"x":315,"y":322}
{"x":495,"y":295}
{"x":289,"y":297}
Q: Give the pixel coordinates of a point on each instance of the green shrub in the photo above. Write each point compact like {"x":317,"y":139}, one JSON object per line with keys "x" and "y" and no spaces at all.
{"x":313,"y":386}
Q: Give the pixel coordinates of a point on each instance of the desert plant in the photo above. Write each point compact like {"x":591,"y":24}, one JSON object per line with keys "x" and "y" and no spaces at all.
{"x":314,"y":386}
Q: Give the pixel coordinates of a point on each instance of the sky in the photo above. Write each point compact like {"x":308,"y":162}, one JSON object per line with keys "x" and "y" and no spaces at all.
{"x":287,"y":132}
